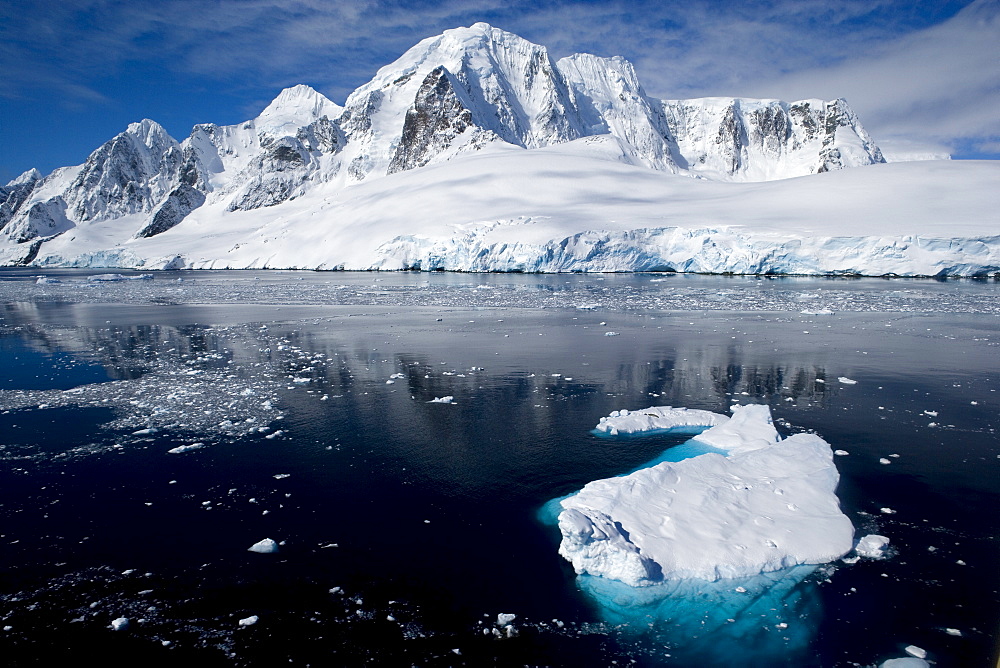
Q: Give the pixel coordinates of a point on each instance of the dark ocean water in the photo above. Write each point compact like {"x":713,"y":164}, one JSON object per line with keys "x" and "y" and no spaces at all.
{"x":406,"y":526}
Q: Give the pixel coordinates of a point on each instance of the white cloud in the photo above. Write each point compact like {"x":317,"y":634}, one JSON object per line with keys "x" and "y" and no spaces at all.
{"x":940,"y":85}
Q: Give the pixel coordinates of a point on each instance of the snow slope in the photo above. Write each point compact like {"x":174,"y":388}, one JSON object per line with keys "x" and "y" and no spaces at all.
{"x":585,"y":206}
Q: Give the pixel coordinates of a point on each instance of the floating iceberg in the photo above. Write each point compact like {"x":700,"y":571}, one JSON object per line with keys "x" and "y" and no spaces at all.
{"x":266,"y":546}
{"x":658,"y":418}
{"x":764,"y":505}
{"x":872,"y":546}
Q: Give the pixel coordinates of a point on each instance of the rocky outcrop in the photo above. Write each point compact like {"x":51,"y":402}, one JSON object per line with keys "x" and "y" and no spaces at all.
{"x":181,"y":201}
{"x":41,"y":219}
{"x":436,"y":121}
{"x":16,"y":193}
{"x":740,"y":139}
{"x":129,"y":174}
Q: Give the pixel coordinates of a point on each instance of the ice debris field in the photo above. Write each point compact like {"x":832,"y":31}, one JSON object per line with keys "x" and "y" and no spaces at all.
{"x":818,"y":297}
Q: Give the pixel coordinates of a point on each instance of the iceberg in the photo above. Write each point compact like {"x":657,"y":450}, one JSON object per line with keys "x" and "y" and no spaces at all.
{"x":717,"y":541}
{"x":872,"y":546}
{"x":757,"y":504}
{"x":658,"y":418}
{"x":265,"y":546}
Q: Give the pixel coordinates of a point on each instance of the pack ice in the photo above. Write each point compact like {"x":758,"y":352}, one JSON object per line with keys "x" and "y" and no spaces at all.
{"x":761,"y":504}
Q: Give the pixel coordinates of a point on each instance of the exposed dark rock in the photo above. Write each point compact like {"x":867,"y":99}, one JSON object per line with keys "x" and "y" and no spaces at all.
{"x":322,"y":136}
{"x":732,"y":137}
{"x":42,"y":219}
{"x":357,"y":118}
{"x":13,"y":196}
{"x":128,"y":174}
{"x":432,"y":123}
{"x":181,"y":201}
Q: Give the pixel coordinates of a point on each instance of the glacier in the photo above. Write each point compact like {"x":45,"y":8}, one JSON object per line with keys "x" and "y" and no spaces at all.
{"x":477,"y":151}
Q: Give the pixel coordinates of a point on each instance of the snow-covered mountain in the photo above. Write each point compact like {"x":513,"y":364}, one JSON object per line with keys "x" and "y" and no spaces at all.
{"x":761,"y":140}
{"x":477,"y":93}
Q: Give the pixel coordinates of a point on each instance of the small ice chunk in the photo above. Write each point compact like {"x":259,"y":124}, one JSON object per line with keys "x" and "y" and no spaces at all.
{"x":186,"y":448}
{"x":918,"y":652}
{"x":611,"y":334}
{"x":281,"y":476}
{"x":887,"y":511}
{"x":266,"y":546}
{"x":249,"y":621}
{"x":505,"y":618}
{"x":953,"y":632}
{"x":908,"y":662}
{"x":841,"y":453}
{"x":120,"y":624}
{"x":883,"y":460}
{"x":844,"y":380}
{"x":442,"y":400}
{"x":872,"y":546}
{"x":657,"y":418}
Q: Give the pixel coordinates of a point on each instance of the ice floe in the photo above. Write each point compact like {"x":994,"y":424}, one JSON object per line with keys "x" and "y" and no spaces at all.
{"x":907,"y":662}
{"x":872,"y":546}
{"x":186,"y":448}
{"x":658,"y":418}
{"x":266,"y":546}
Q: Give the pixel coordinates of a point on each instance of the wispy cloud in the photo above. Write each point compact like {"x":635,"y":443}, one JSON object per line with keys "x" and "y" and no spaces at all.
{"x":903,"y":69}
{"x":942,"y":83}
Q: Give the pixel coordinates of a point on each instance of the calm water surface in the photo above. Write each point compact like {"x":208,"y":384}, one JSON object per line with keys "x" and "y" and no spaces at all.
{"x":407,"y":525}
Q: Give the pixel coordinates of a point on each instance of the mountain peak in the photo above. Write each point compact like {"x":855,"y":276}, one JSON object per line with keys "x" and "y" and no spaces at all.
{"x":296,"y":107}
{"x":150,"y":133}
{"x":27,"y":177}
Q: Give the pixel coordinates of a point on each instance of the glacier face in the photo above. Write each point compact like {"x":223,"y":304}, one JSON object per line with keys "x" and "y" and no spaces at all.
{"x":274,"y":187}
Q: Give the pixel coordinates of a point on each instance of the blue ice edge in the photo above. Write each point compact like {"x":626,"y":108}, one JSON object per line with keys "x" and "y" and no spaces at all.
{"x":763,"y":619}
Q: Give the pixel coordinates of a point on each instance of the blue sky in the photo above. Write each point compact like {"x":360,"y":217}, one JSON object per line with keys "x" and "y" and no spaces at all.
{"x":77,"y":72}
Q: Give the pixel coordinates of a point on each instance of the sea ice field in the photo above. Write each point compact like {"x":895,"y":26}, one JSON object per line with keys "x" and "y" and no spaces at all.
{"x":241,"y":468}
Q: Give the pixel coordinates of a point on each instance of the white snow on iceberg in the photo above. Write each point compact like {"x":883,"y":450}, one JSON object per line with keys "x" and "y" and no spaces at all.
{"x":765,"y":505}
{"x":658,"y":418}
